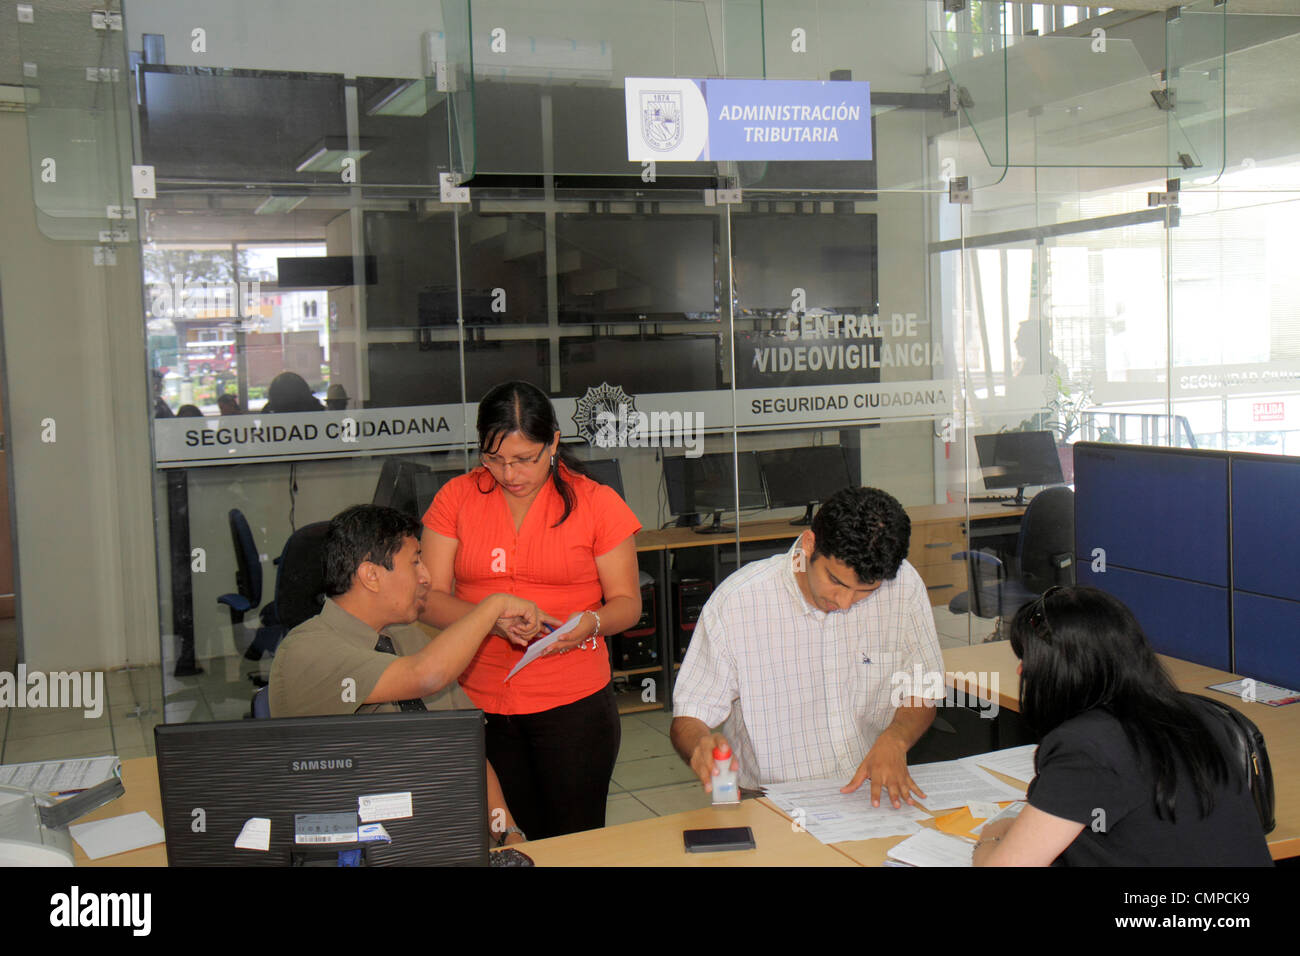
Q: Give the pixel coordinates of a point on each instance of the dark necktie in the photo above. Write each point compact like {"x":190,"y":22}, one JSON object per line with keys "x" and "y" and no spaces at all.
{"x":385,"y":646}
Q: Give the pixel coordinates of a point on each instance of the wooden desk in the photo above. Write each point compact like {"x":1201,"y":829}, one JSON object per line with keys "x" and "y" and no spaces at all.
{"x":1279,"y":725}
{"x":658,"y":842}
{"x":140,"y":777}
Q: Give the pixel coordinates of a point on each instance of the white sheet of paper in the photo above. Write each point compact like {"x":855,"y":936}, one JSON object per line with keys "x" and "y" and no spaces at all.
{"x":833,"y":817}
{"x":1263,"y":693}
{"x":955,"y":783}
{"x":117,"y":834}
{"x":933,"y":848}
{"x":1007,"y":813}
{"x":385,"y":806}
{"x":1016,"y":762}
{"x":536,"y":648}
{"x":58,"y":776}
{"x":256,"y":834}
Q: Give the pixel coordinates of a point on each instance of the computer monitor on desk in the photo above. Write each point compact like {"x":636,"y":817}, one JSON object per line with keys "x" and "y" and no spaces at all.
{"x":300,"y":773}
{"x":802,"y":477}
{"x":607,"y":472}
{"x":699,"y":485}
{"x":1017,"y":460}
{"x":410,"y":486}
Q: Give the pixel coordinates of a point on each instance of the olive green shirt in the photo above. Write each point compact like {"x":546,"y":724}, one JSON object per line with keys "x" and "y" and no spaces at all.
{"x":329,"y":665}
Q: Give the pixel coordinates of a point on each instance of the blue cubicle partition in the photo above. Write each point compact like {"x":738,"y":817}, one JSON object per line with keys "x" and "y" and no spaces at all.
{"x":1181,"y":618}
{"x":1196,"y":542}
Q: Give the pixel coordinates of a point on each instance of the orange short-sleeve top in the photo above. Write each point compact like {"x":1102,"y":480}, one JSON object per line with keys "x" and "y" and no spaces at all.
{"x":555,"y":567}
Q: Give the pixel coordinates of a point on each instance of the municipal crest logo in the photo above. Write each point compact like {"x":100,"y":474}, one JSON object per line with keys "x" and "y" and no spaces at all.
{"x":661,"y":119}
{"x":605,"y":416}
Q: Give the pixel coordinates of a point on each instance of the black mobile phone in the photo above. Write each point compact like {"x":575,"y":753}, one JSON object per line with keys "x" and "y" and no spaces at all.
{"x":718,"y":839}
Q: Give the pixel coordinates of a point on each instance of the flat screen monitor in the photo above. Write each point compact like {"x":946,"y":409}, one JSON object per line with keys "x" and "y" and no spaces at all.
{"x":229,"y":772}
{"x":801,"y":477}
{"x":708,"y":484}
{"x":410,"y":486}
{"x":636,"y":268}
{"x":673,"y":363}
{"x":404,"y":373}
{"x":607,"y":472}
{"x":831,"y":256}
{"x":502,"y":269}
{"x":243,"y":126}
{"x":1018,"y":459}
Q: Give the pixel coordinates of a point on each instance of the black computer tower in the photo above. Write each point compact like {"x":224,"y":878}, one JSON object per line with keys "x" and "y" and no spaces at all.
{"x":689,"y":597}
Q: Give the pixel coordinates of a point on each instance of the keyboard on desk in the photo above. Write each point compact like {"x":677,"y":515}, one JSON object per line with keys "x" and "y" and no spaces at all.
{"x":989,"y":498}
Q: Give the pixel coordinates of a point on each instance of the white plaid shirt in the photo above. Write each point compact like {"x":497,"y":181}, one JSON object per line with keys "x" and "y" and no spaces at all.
{"x":802,"y":694}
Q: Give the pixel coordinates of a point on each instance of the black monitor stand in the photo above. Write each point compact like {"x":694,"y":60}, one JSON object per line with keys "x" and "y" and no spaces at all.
{"x":717,"y":527}
{"x":806,"y":517}
{"x":1018,"y":501}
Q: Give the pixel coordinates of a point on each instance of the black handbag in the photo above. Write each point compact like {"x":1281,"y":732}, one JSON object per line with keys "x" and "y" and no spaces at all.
{"x":1249,"y":753}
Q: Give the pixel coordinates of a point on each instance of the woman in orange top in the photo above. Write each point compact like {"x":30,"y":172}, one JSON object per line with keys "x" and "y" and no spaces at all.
{"x":530,"y":523}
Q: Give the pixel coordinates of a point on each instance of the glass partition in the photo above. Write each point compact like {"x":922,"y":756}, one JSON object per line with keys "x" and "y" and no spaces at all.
{"x":1013,"y":265}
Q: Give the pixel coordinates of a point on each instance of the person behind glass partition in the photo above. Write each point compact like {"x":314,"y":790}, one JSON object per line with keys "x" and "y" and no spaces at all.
{"x":289,"y":392}
{"x":529,"y":523}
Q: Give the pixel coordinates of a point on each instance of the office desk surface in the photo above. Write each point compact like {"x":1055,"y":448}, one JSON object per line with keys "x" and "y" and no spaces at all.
{"x":1279,"y":725}
{"x":658,"y":842}
{"x":140,"y":778}
{"x":655,"y":842}
{"x":780,"y":528}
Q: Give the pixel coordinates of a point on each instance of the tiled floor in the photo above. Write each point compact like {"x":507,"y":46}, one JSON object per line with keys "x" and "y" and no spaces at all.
{"x":649,"y":778}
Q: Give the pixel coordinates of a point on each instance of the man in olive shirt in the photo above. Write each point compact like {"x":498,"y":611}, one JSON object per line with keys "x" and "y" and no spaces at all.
{"x":363,"y":653}
{"x":376,"y":582}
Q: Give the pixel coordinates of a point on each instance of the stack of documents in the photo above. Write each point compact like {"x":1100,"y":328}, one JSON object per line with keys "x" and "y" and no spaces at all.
{"x":1015,"y":762}
{"x":832,"y":817}
{"x":956,"y":783}
{"x":932,"y":848}
{"x":60,"y":776}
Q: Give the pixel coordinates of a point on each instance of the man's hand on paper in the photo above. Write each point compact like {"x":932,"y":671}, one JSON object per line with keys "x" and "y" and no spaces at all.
{"x":886,"y":766}
{"x":702,"y":761}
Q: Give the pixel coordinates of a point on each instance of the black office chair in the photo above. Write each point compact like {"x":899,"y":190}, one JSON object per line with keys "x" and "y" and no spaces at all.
{"x":299,"y":590}
{"x":1044,"y":557}
{"x":248,"y":585}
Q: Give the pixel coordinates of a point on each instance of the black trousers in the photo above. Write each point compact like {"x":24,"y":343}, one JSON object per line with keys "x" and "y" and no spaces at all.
{"x":555,"y":766}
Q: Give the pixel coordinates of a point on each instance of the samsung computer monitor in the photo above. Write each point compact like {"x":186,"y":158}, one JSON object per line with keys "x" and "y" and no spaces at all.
{"x":410,"y":486}
{"x":802,"y":477}
{"x":1017,"y":460}
{"x":300,"y":772}
{"x":708,"y":484}
{"x":607,"y":472}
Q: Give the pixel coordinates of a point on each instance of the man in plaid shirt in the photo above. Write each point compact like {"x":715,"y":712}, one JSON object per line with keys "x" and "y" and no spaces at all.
{"x":806,"y":661}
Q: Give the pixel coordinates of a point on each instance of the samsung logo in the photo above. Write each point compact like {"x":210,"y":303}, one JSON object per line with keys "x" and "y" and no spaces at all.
{"x":310,"y":766}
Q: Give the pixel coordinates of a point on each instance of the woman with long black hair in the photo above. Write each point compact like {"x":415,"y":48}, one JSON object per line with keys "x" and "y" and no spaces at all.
{"x":528,"y":522}
{"x":1130,"y":772}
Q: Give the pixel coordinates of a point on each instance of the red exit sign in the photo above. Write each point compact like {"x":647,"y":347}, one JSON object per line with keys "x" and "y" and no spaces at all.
{"x":1269,"y":411}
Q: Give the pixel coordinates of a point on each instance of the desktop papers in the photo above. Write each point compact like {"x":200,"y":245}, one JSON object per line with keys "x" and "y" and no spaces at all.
{"x":117,"y":834}
{"x":1269,"y":694}
{"x":1015,"y":762}
{"x":932,"y":848}
{"x":832,"y":817}
{"x":536,"y":648}
{"x":59,"y":776}
{"x":955,"y":783}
